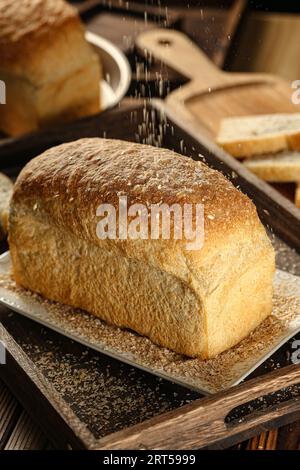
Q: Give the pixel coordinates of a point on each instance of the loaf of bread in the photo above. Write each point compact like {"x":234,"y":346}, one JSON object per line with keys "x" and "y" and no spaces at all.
{"x":196,"y":302}
{"x":6,"y":190}
{"x":282,"y":167}
{"x":246,"y":136}
{"x":50,"y":72}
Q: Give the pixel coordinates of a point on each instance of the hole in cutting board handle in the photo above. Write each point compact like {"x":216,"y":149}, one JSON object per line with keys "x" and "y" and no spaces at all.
{"x":164,"y":42}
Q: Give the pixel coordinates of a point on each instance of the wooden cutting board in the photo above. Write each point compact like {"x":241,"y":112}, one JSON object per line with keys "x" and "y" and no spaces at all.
{"x":212,"y":94}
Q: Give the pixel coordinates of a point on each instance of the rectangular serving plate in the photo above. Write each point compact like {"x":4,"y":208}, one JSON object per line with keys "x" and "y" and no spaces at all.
{"x":226,"y":374}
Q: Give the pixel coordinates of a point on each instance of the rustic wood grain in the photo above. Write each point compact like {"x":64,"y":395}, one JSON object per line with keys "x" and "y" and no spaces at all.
{"x":9,"y":413}
{"x":289,"y":437}
{"x":271,"y":441}
{"x":253,"y":443}
{"x":202,"y":423}
{"x":212,"y":94}
{"x":17,"y":430}
{"x":265,"y":441}
{"x":192,"y":426}
{"x":26,"y":435}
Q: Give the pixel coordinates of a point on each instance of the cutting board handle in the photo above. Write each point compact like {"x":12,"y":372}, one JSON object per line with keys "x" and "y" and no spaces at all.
{"x":180,"y":53}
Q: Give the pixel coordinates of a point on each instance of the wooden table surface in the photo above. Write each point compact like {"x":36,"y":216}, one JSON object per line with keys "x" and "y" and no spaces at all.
{"x":17,"y":430}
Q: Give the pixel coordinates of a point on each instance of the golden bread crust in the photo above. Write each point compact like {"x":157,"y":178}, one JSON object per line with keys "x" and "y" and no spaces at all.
{"x":198,"y":303}
{"x":51,"y":72}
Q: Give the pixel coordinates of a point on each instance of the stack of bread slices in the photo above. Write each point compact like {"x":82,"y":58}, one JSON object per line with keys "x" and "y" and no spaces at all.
{"x":268,"y":144}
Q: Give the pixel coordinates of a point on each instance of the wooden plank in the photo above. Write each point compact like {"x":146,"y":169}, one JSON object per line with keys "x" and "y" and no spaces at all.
{"x":9,"y":413}
{"x":195,"y":427}
{"x":26,"y":435}
{"x":283,"y":438}
{"x":265,"y":441}
{"x":289,"y":437}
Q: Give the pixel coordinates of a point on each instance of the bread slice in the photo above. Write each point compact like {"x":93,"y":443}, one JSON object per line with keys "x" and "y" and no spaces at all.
{"x":297,"y":195}
{"x":283,"y":167}
{"x":245,"y":136}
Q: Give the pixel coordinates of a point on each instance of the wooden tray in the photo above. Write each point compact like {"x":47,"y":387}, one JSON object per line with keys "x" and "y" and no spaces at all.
{"x":81,"y":398}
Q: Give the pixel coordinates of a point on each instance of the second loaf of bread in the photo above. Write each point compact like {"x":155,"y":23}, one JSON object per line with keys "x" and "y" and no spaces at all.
{"x":51,"y":73}
{"x":196,"y":302}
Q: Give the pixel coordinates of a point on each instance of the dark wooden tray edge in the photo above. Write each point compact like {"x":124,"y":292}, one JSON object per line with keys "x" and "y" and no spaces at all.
{"x":40,"y":399}
{"x":201,"y":424}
